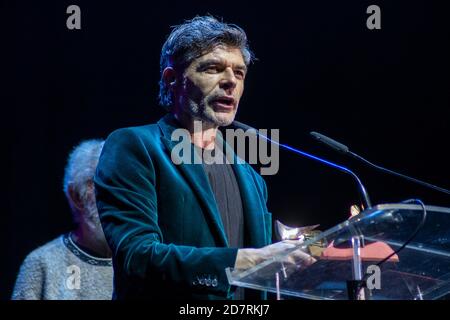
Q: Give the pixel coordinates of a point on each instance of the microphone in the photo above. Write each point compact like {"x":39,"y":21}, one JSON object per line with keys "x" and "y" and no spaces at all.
{"x":361,"y":188}
{"x":345,"y":150}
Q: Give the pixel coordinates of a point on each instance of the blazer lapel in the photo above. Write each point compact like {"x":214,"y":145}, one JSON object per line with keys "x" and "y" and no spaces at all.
{"x":196,"y":177}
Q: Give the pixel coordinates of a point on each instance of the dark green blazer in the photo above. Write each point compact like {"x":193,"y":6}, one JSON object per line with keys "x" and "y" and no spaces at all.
{"x":161,"y":219}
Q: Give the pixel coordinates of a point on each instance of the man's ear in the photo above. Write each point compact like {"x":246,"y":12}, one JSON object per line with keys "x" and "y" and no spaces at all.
{"x":75,"y":198}
{"x":169,"y":77}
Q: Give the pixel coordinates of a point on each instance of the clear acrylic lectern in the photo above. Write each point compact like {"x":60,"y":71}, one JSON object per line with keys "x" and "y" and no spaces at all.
{"x":356,"y":249}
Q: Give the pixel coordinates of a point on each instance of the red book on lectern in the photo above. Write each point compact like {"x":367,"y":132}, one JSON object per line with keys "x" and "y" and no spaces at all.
{"x":375,"y":251}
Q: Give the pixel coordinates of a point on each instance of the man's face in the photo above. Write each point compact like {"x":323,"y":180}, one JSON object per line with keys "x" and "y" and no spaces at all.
{"x":213,"y":85}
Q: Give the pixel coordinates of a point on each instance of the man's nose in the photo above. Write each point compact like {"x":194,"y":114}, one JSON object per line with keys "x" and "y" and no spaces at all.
{"x":228,"y":81}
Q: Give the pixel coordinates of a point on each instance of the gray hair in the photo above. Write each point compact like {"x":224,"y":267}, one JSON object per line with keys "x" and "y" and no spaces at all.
{"x":81,"y":165}
{"x":193,"y":39}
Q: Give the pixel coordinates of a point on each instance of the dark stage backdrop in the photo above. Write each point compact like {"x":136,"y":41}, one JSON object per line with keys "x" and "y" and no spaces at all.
{"x":383,"y":92}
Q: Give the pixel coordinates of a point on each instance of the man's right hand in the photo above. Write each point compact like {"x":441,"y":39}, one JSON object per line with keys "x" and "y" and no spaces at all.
{"x":248,"y":258}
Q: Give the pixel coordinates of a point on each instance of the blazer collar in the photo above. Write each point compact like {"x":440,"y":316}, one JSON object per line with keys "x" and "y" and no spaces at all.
{"x":196,"y":177}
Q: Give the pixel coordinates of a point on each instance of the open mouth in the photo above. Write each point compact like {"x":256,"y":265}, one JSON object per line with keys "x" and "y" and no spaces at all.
{"x":224,"y":102}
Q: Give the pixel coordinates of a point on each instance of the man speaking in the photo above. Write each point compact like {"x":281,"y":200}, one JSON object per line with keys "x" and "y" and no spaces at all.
{"x":174,"y":228}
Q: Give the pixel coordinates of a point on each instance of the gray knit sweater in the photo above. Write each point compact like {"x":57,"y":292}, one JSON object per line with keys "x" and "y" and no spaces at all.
{"x":60,"y":270}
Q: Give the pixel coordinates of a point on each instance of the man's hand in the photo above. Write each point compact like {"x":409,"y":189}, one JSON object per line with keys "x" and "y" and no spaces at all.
{"x":248,"y":258}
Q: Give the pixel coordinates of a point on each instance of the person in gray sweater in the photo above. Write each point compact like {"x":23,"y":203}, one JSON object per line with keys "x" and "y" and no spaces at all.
{"x":76,"y":265}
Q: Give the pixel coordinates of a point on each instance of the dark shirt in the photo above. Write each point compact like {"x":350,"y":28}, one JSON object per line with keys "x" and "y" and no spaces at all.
{"x":228,"y":198}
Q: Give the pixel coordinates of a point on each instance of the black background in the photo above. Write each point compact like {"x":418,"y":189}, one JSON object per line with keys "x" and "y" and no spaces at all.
{"x":383,"y":92}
